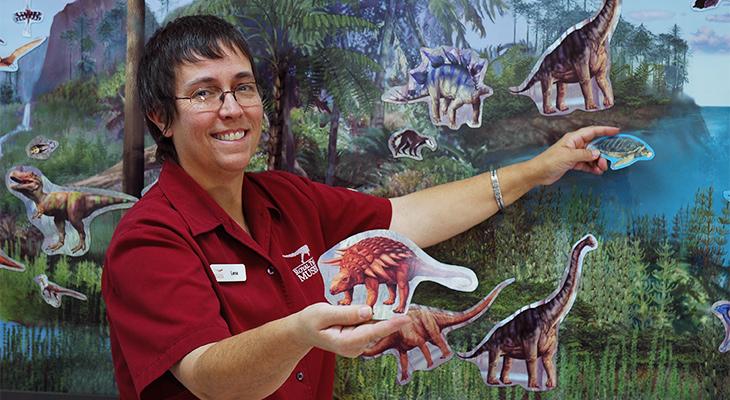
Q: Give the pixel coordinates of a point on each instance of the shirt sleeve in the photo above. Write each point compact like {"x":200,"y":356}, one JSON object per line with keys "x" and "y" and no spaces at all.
{"x":345,"y":212}
{"x":160,"y":302}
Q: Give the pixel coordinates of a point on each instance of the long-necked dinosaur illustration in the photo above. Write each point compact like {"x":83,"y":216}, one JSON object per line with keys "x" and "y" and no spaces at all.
{"x":577,"y":57}
{"x":531,"y":334}
{"x":429,"y":325}
{"x":62,"y":206}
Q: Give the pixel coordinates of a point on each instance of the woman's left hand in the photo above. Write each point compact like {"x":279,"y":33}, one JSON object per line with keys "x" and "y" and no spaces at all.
{"x":570,"y":153}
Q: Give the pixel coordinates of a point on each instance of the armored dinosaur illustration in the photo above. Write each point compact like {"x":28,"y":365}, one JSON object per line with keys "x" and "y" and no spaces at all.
{"x":531,"y":334}
{"x":10,"y":264}
{"x":453,"y":84}
{"x":380,"y":259}
{"x":429,"y":325}
{"x":722,"y":310}
{"x":409,"y":143}
{"x":71,"y":206}
{"x":10,"y":63}
{"x":580,"y":56}
{"x":52,"y":292}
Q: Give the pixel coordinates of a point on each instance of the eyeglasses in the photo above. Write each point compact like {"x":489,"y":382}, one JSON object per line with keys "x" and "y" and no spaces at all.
{"x":211,"y":98}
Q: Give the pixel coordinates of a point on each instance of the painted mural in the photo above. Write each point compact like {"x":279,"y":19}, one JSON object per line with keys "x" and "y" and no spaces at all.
{"x":364,"y":89}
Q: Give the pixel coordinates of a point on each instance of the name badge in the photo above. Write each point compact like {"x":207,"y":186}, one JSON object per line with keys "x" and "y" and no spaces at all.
{"x":229,"y":272}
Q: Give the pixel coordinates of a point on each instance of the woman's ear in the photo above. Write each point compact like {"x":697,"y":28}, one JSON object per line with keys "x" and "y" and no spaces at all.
{"x":154,"y":116}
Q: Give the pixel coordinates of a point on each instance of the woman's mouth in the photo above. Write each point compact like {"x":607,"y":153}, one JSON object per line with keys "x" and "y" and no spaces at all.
{"x":230,"y":136}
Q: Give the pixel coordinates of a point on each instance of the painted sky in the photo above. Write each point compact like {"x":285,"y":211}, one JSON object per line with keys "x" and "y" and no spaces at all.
{"x":708,"y":33}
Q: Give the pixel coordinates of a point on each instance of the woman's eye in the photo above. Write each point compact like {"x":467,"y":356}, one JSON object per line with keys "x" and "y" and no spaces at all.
{"x":202,"y":94}
{"x":245,"y":88}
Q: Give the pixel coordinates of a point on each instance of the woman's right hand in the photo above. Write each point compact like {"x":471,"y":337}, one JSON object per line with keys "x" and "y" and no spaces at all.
{"x":343,"y":330}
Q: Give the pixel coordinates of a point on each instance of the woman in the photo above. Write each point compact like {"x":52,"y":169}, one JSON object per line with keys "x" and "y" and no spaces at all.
{"x":204,"y":297}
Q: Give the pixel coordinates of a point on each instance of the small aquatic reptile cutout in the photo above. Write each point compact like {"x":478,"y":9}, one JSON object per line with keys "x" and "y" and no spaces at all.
{"x":622,"y":150}
{"x":421,"y":344}
{"x":363,"y":268}
{"x":579,"y":57}
{"x":531,"y":333}
{"x":50,"y":207}
{"x":409,"y":143}
{"x":451,"y":80}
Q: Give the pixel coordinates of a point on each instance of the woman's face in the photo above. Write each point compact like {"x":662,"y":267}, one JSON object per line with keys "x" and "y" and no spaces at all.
{"x":221,"y":142}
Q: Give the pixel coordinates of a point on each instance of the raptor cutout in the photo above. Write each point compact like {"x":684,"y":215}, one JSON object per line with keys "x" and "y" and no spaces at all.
{"x":382,"y":268}
{"x":409,"y":143}
{"x":62,"y":214}
{"x":580,"y":58}
{"x":530,"y":335}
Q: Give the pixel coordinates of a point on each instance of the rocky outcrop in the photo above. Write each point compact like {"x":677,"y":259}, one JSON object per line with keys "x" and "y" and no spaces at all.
{"x":84,"y":17}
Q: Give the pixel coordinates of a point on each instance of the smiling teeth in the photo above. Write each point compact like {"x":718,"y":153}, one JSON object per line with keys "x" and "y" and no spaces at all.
{"x":231,"y":136}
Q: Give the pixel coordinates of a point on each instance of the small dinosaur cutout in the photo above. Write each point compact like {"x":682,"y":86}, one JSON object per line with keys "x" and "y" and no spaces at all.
{"x":409,"y":143}
{"x":701,"y":5}
{"x":721,"y":309}
{"x":52,"y":292}
{"x":50,"y":207}
{"x":8,"y":263}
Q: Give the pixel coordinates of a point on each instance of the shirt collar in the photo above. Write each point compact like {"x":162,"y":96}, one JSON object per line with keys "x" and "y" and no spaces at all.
{"x":197,"y":207}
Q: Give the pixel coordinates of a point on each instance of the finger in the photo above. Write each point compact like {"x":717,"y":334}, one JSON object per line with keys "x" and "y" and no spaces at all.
{"x":343,"y":315}
{"x":584,"y":135}
{"x":368,"y":333}
{"x":591,"y":168}
{"x":585,"y":155}
{"x":602,"y":164}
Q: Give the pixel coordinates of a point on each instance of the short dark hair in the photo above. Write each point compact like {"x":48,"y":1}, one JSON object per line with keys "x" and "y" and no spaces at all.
{"x":184,"y":40}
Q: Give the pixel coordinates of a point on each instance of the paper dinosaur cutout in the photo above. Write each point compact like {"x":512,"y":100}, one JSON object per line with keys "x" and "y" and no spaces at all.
{"x":10,"y":63}
{"x":366,"y":267}
{"x":702,"y":5}
{"x":531,"y":333}
{"x":8,"y":263}
{"x":41,"y":148}
{"x":51,"y":208}
{"x":421,"y":344}
{"x":581,"y":56}
{"x":27,"y":17}
{"x":721,"y":309}
{"x":409,"y":143}
{"x":52,"y":293}
{"x":622,"y":150}
{"x":451,"y":80}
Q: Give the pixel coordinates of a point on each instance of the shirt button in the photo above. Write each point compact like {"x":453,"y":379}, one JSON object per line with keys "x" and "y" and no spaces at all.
{"x":300,"y":376}
{"x":270,"y":270}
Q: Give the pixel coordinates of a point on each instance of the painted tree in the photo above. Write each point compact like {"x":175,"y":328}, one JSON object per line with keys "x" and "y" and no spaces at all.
{"x":290,"y":39}
{"x":133,"y":152}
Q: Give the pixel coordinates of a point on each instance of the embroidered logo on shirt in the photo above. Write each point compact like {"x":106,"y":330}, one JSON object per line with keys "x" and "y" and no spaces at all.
{"x":307,"y":267}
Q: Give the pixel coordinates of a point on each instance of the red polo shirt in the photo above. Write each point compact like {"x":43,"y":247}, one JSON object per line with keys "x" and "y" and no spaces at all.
{"x":163,"y":300}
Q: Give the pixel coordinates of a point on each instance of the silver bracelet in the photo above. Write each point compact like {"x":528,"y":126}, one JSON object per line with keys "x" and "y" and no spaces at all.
{"x":497,"y":191}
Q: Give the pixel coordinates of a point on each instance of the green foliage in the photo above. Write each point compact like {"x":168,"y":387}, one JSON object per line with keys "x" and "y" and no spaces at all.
{"x":515,"y":66}
{"x":7,"y":93}
{"x":112,"y":86}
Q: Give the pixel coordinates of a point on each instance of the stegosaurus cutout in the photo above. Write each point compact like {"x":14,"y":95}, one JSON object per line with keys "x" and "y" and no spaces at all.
{"x":382,"y":268}
{"x":451,"y":81}
{"x":62,"y":214}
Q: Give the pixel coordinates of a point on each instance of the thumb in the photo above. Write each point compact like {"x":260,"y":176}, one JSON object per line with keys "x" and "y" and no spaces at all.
{"x":585,"y":155}
{"x":345,"y":315}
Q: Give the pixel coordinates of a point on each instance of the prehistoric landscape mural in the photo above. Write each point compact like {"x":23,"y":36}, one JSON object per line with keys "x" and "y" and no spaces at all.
{"x":388,"y":97}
